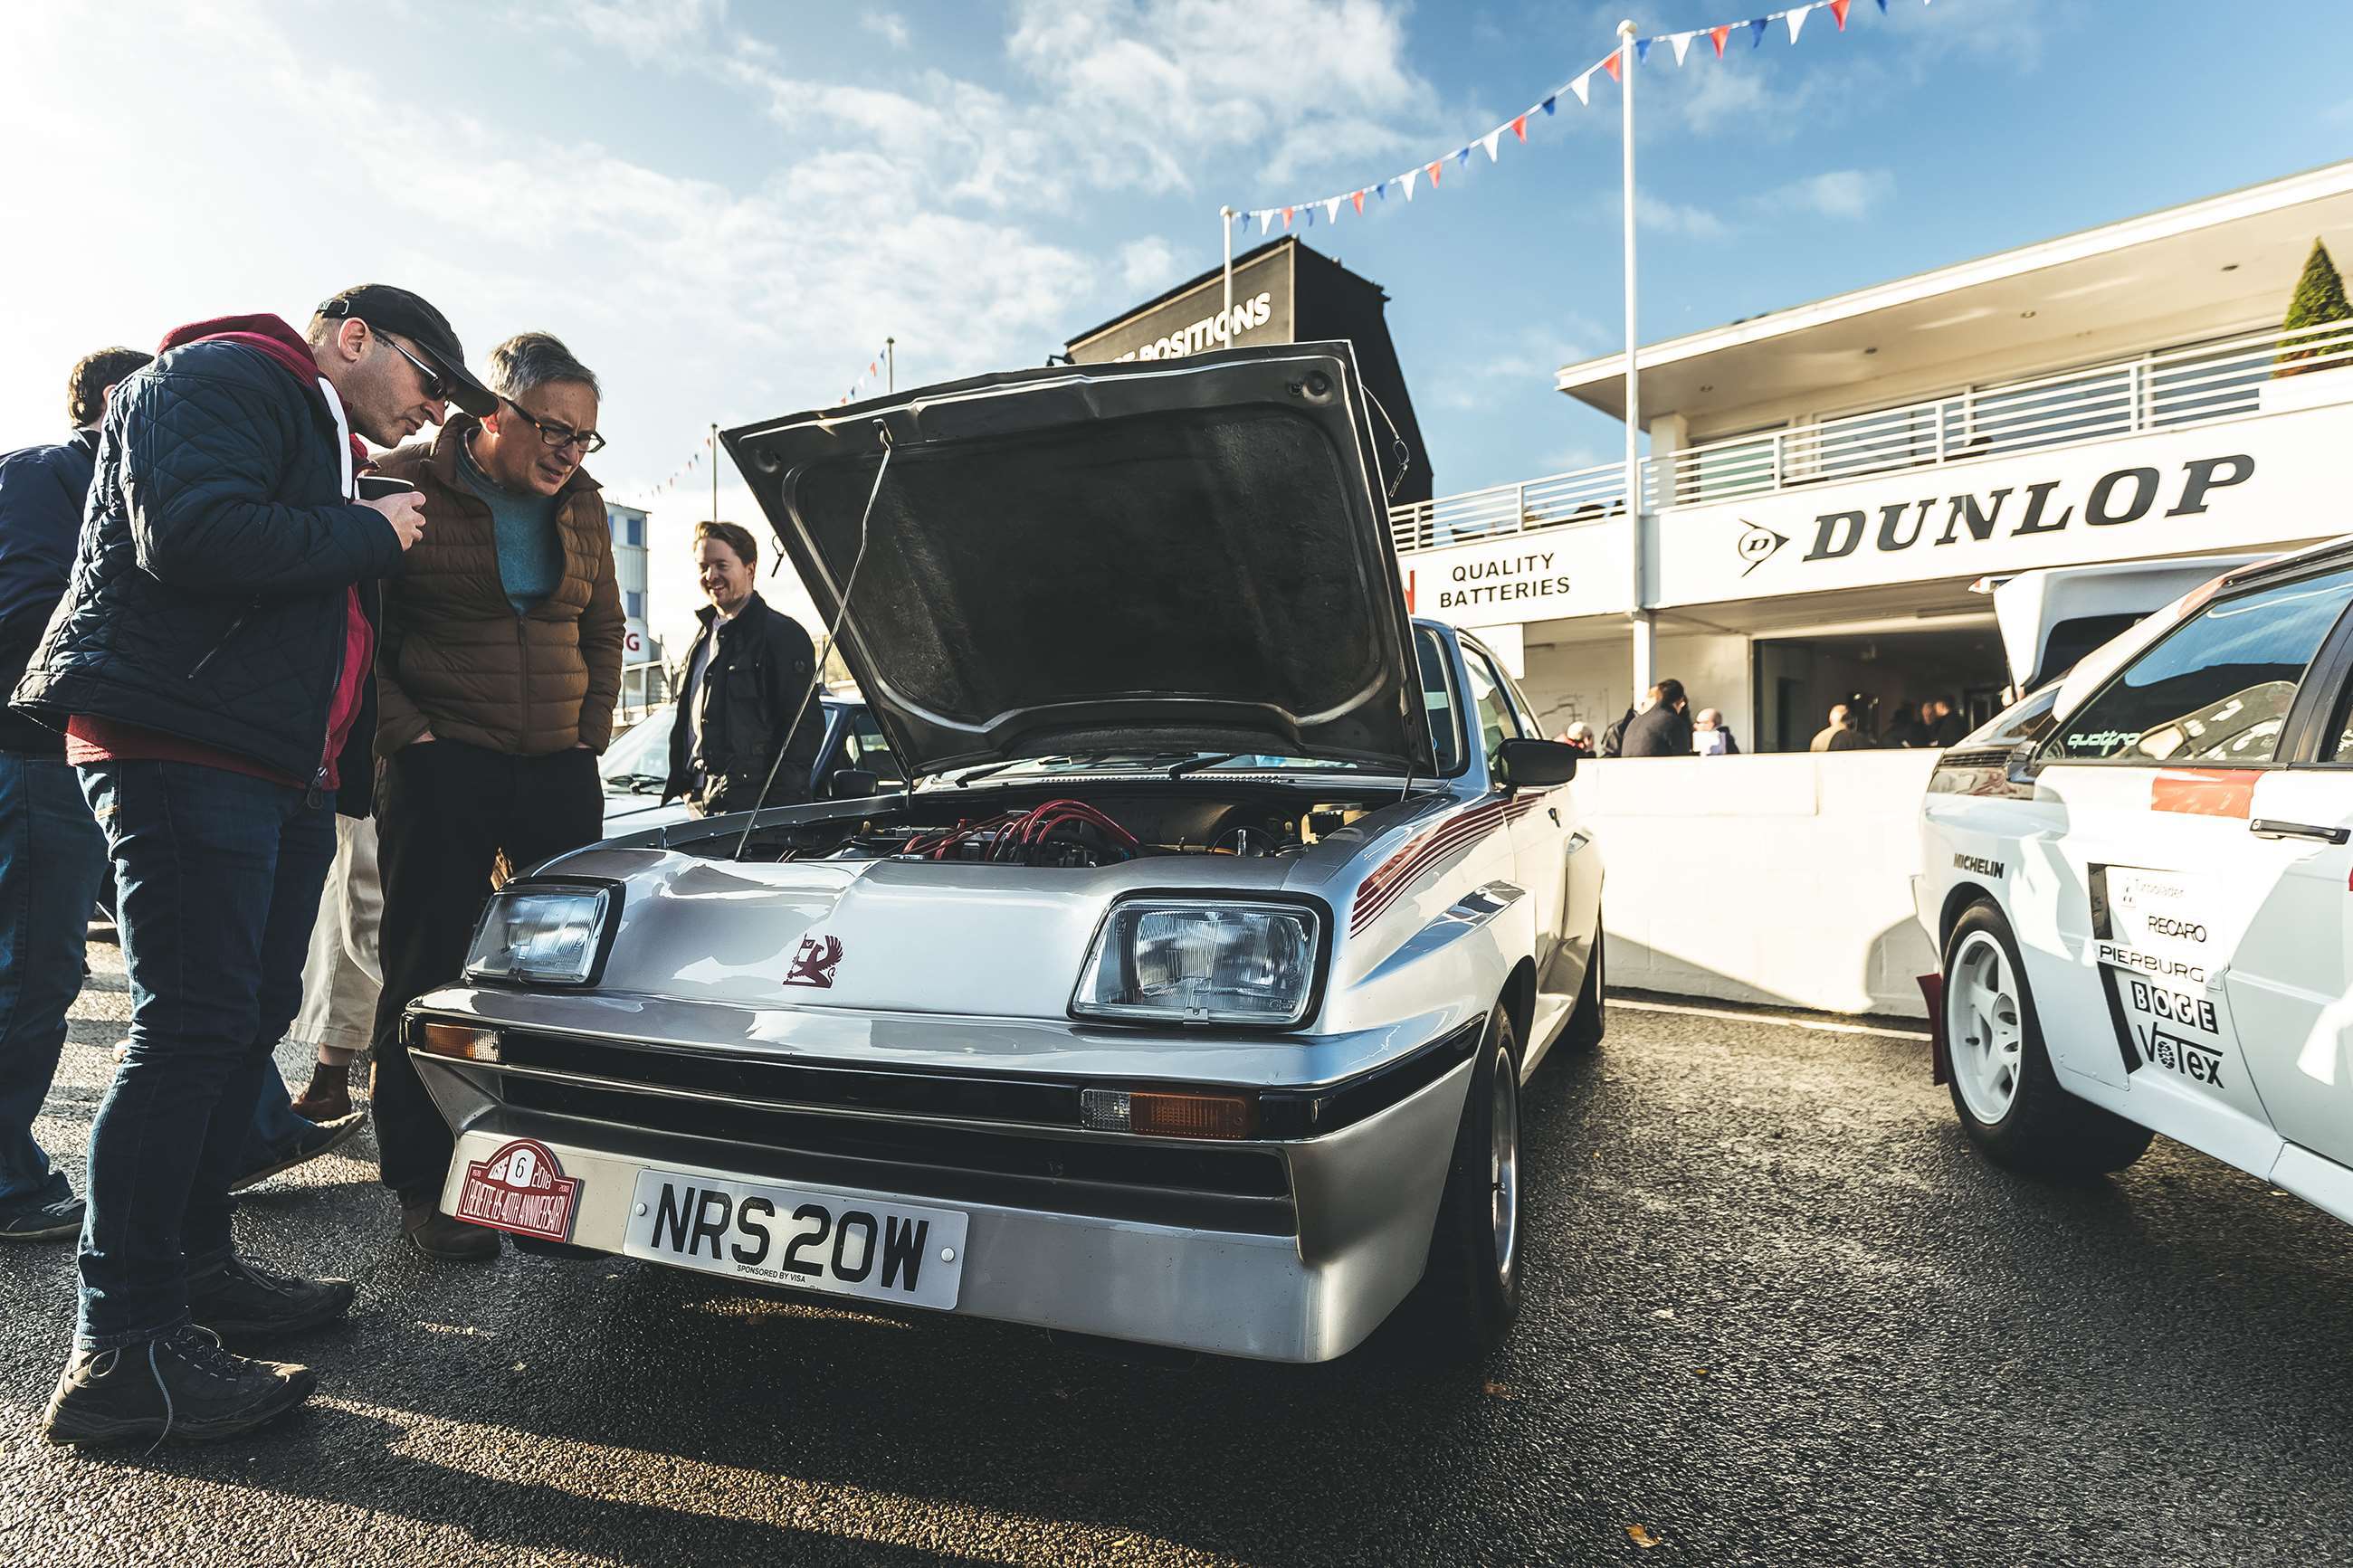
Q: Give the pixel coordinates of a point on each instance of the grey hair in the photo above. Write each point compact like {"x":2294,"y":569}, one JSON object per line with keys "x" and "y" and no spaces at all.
{"x":530,"y":360}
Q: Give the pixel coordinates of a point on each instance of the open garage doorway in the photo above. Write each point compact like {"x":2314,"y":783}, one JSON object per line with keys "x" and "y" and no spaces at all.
{"x":1883,"y":676}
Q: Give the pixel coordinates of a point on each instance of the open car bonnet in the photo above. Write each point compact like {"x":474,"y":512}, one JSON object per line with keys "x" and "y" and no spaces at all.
{"x":1164,"y":557}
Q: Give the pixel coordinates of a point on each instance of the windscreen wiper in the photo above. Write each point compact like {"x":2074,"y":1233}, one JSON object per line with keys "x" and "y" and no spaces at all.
{"x":1201,"y":760}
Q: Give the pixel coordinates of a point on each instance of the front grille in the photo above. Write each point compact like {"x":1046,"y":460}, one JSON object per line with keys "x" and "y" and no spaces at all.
{"x":1205,"y":1187}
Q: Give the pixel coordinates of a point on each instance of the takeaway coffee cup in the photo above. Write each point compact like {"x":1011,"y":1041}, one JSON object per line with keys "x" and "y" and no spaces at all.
{"x":375,"y":486}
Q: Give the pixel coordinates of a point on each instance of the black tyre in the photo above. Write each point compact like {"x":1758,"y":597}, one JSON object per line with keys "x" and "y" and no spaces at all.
{"x":1586,"y":1022}
{"x":1471,"y":1290}
{"x":2003,"y":1088}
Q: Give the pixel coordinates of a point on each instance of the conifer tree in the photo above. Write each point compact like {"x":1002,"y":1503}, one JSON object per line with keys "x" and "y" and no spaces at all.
{"x":2319,"y":299}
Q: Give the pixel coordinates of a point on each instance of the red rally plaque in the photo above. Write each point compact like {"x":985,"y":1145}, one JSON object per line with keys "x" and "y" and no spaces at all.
{"x":521,"y":1189}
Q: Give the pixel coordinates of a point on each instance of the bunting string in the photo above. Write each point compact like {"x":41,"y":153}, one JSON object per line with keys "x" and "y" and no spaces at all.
{"x":1719,"y":37}
{"x":872,"y":374}
{"x":678,"y":476}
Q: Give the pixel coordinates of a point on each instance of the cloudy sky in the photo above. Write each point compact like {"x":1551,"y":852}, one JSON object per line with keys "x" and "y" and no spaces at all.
{"x":727,"y":207}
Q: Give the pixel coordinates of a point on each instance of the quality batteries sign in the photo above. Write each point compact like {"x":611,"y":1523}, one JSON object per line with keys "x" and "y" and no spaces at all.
{"x":1546,"y":575}
{"x":2256,"y":481}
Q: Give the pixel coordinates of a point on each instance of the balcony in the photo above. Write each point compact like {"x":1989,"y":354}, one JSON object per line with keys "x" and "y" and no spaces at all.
{"x":2172,"y":390}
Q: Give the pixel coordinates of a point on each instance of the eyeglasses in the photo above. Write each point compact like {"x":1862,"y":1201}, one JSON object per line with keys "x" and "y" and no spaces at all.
{"x":556,"y":437}
{"x":437,"y":386}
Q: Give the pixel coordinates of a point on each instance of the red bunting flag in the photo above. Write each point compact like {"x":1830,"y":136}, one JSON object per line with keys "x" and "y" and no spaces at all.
{"x":1718,"y":35}
{"x":1432,"y":171}
{"x":1359,"y":198}
{"x":1520,"y":127}
{"x":1286,"y":217}
{"x":1609,"y":64}
{"x":1838,"y":10}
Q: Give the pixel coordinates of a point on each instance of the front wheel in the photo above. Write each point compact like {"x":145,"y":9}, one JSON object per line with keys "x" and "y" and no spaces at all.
{"x":1471,"y":1289}
{"x":2004,"y":1089}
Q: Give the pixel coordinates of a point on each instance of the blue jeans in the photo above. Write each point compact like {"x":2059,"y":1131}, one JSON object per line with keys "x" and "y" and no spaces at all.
{"x":216,"y":885}
{"x":270,"y":1135}
{"x":51,"y":858}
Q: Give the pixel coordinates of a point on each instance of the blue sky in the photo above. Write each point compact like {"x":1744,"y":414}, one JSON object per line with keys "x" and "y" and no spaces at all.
{"x":725,"y":208}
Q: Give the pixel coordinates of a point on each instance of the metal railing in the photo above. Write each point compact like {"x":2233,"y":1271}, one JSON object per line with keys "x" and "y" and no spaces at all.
{"x":2158,"y":391}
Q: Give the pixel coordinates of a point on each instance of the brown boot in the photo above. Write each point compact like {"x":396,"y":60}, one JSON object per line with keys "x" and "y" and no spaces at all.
{"x":437,"y":1235}
{"x":329,"y":1096}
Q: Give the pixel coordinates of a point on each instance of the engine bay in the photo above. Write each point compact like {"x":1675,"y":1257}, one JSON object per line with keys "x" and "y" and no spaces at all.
{"x":1068,"y":832}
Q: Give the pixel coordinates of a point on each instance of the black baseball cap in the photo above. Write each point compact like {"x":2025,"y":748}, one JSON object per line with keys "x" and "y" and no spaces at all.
{"x":390,"y":310}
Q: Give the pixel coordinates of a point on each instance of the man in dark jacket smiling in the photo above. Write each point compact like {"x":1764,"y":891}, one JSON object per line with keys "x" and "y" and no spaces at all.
{"x":210,"y":666}
{"x":748,"y":668}
{"x":51,"y":853}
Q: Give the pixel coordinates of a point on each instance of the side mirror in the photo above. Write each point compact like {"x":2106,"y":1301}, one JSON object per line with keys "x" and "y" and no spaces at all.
{"x":1536,"y":765}
{"x":853,"y":784}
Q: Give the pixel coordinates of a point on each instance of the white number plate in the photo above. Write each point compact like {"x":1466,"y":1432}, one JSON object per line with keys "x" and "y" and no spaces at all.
{"x":790,"y":1235}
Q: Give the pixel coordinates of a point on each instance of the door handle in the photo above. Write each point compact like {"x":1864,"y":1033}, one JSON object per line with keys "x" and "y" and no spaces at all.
{"x":2271,"y":828}
{"x":1553,"y":812}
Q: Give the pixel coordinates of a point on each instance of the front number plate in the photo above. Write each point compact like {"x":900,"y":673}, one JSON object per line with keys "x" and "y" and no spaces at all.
{"x":792,"y":1235}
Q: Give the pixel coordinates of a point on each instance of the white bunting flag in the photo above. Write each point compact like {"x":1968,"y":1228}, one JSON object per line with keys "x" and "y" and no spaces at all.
{"x":1583,"y":88}
{"x":1797,"y":21}
{"x":1681,"y":42}
{"x":1332,"y":209}
{"x":1408,"y":178}
{"x":1489,"y":141}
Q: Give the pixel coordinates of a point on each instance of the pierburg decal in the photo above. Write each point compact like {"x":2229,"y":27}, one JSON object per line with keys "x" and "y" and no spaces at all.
{"x":2153,"y":946}
{"x":522,"y":1189}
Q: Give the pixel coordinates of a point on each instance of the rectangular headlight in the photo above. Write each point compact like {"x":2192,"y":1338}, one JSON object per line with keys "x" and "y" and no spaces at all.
{"x":1202,"y":961}
{"x":539,"y":936}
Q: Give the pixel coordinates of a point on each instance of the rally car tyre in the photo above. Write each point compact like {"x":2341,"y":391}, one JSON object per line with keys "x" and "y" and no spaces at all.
{"x":2003,"y":1086}
{"x":1470,"y":1293}
{"x":1586,"y":1021}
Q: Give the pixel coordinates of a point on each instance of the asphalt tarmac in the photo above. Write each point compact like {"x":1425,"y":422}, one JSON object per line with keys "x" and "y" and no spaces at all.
{"x":1777,"y":1312}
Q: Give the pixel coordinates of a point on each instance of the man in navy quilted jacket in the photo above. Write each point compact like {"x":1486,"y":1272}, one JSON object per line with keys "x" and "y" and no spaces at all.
{"x":51,"y":854}
{"x":210,"y":666}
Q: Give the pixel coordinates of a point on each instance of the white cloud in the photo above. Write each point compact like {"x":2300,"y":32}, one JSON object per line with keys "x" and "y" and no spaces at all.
{"x":888,"y":25}
{"x":1675,"y":218}
{"x":1845,"y":194}
{"x":1147,"y":266}
{"x":1515,"y":366}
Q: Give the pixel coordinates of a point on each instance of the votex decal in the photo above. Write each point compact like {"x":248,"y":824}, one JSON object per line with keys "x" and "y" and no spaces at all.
{"x":2161,"y":965}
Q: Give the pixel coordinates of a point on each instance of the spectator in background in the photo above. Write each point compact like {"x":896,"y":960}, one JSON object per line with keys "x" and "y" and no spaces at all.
{"x":500,"y":667}
{"x":1666,"y":729}
{"x":1904,"y":728}
{"x":1613,"y":739}
{"x":1944,"y":727}
{"x":343,"y":978}
{"x":1839,"y":734}
{"x":1712,"y":737}
{"x":1579,"y":734}
{"x":746,"y":676}
{"x":52,"y":855}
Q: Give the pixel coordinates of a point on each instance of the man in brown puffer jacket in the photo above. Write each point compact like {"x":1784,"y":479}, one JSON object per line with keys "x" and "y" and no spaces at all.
{"x":500,"y":667}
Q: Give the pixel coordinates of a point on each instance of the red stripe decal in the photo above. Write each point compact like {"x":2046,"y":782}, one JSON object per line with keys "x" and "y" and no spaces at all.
{"x":1394,"y":875}
{"x":2204,"y":792}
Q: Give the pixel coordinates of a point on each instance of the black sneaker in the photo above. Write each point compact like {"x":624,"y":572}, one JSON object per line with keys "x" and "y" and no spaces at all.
{"x":322,"y":1137}
{"x":241,"y":1300}
{"x":49,"y":1222}
{"x":181,"y":1386}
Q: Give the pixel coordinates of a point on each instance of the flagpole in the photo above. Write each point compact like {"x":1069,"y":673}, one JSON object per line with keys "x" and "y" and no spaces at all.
{"x":889,"y":364}
{"x":1227,"y":316}
{"x":1645,"y":651}
{"x":714,"y":473}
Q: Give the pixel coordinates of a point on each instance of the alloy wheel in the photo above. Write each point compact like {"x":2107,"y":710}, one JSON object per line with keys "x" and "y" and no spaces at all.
{"x":1985,"y":1026}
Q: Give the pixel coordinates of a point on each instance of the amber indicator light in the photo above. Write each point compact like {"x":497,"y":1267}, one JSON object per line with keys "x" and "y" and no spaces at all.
{"x":1191,"y":1115}
{"x":459,"y":1041}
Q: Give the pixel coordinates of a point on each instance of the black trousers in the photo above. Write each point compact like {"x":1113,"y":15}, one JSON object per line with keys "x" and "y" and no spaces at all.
{"x":444,"y":814}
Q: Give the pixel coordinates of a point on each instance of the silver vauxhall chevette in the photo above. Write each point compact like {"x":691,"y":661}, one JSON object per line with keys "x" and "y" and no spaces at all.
{"x":1188,"y":999}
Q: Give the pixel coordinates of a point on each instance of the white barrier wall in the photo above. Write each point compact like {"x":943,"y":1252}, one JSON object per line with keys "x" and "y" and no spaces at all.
{"x":1784,"y":881}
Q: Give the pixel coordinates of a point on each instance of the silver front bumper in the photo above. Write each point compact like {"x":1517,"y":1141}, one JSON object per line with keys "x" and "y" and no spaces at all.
{"x":1364,"y":1197}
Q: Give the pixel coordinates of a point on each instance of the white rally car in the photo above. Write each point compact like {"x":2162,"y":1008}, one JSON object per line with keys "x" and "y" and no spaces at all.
{"x":2141,"y":884}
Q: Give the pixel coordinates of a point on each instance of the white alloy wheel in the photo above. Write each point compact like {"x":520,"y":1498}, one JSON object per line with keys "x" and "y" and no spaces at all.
{"x":1984,"y":1026}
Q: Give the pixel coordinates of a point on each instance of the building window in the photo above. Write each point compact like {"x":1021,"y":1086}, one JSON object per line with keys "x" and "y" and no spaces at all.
{"x":634,"y":604}
{"x":636,"y":527}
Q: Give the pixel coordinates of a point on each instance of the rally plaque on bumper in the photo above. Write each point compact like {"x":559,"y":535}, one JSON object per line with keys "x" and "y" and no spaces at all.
{"x":790,"y":1235}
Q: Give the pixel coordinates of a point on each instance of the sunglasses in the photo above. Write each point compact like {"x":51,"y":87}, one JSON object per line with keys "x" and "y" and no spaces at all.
{"x":437,"y":386}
